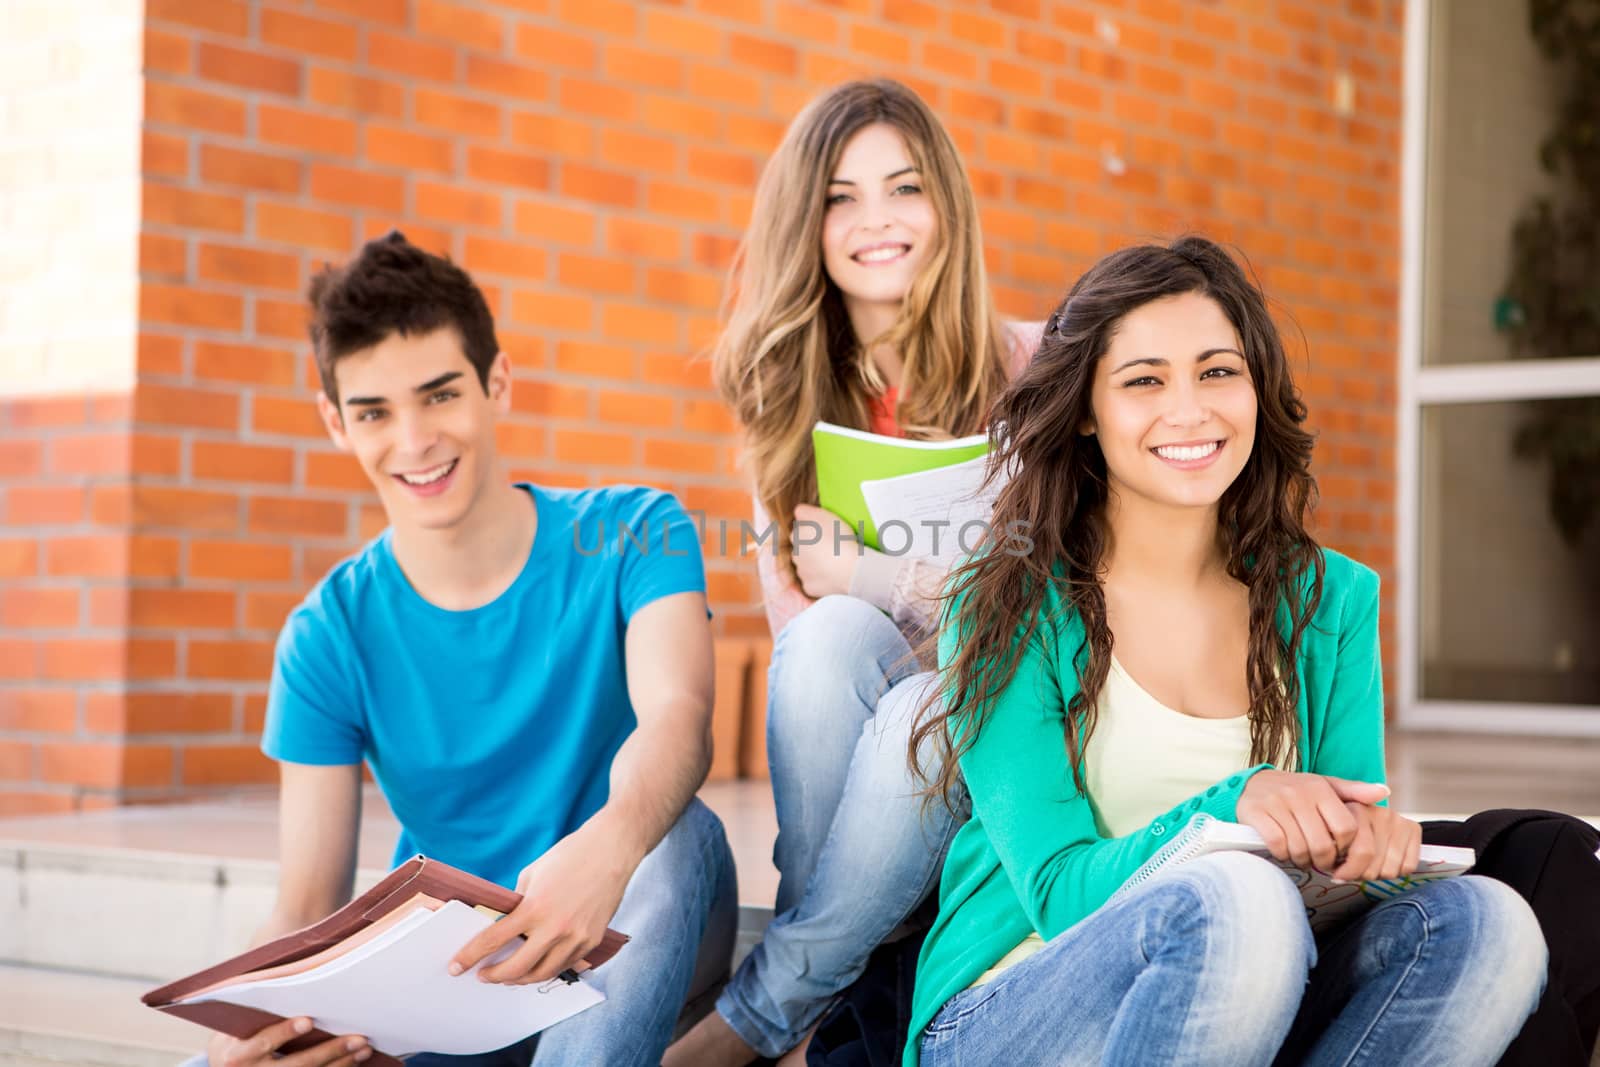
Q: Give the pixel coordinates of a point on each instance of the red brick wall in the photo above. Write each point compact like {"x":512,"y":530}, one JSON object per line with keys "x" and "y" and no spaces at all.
{"x":592,"y":162}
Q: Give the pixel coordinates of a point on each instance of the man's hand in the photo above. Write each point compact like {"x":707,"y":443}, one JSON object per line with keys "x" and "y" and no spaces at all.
{"x":569,"y":895}
{"x":1386,"y":845}
{"x":1303,"y":817}
{"x":261,"y":1048}
{"x":825,"y":551}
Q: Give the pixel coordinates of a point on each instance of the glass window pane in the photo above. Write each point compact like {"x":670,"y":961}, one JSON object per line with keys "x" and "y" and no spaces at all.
{"x":1510,"y":594}
{"x":1484,"y":134}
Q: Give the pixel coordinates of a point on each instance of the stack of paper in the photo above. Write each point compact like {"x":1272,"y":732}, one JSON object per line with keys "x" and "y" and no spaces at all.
{"x":378,"y":967}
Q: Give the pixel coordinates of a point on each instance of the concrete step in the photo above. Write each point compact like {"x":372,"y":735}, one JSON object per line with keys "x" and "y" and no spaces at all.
{"x":49,"y":1018}
{"x":153,"y":893}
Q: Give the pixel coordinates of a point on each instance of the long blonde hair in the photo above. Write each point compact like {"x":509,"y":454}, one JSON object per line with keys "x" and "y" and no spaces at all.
{"x":789,"y":355}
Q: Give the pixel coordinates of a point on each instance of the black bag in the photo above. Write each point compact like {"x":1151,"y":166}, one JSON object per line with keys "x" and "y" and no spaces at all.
{"x":1550,"y":860}
{"x":866,"y":1026}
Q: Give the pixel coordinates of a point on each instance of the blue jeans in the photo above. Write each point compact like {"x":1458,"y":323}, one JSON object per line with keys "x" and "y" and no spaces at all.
{"x":1215,"y":964}
{"x":681,"y":908}
{"x":855,"y":854}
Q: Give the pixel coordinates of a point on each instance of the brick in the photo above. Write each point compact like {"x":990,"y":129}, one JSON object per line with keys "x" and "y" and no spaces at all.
{"x":552,"y":311}
{"x":20,"y":459}
{"x":643,"y":66}
{"x":309,"y":131}
{"x":554,"y":223}
{"x":597,"y":99}
{"x":447,"y":203}
{"x":280,"y":318}
{"x":501,"y":78}
{"x":240,"y":561}
{"x":248,"y":364}
{"x":593,"y":274}
{"x":295,"y":417}
{"x":456,"y":113}
{"x":226,"y":765}
{"x":249,"y":69}
{"x":188,"y":306}
{"x":637,"y":322}
{"x":218,"y":16}
{"x":467,"y":26}
{"x":635,"y":409}
{"x":359,"y":94}
{"x":205,"y":609}
{"x":631,"y":150}
{"x":586,"y":358}
{"x":177,"y":105}
{"x":304,"y":34}
{"x":230,"y":660}
{"x":587,"y":447}
{"x":162,"y":256}
{"x":504,"y":257}
{"x":81,"y":658}
{"x":301,"y":226}
{"x":694,"y":288}
{"x":683,"y":456}
{"x":38,"y":608}
{"x":650,"y":240}
{"x":357,"y":188}
{"x":507,"y":168}
{"x":728,"y":168}
{"x":293,"y":515}
{"x":170,"y":405}
{"x":543,"y":46}
{"x":553,"y":134}
{"x":409,"y":150}
{"x":550,"y":399}
{"x":169,"y":53}
{"x":164,"y":155}
{"x":38,"y":710}
{"x":44,"y":505}
{"x":224,"y":461}
{"x":191,"y":209}
{"x":334,"y":470}
{"x":267,"y":612}
{"x":19,"y":557}
{"x":236,"y":265}
{"x":613,"y":17}
{"x":599,"y":186}
{"x":519,"y":440}
{"x":891,"y":46}
{"x":158,"y":713}
{"x":90,"y":454}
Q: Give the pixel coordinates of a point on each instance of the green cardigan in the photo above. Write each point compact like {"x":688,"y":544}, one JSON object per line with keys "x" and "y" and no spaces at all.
{"x":1030,"y":860}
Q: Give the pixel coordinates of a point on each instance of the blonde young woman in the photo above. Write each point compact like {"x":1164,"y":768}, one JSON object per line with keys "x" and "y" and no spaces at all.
{"x":861,"y":300}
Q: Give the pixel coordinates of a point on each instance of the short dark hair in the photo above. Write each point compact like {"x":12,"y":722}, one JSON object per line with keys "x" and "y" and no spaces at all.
{"x":395,"y":287}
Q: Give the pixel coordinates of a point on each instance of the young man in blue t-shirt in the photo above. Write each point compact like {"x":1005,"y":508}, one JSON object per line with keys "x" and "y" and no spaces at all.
{"x":527,"y":672}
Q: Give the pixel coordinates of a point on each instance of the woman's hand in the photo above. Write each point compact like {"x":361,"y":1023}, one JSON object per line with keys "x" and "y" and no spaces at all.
{"x":1386,"y":845}
{"x":261,"y":1050}
{"x":825,"y":551}
{"x":1304,"y":818}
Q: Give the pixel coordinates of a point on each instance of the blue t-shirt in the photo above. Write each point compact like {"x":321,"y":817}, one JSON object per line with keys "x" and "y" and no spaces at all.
{"x":490,"y":731}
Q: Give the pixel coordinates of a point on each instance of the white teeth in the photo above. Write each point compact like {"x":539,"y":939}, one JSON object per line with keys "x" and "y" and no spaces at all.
{"x":429,"y":476}
{"x":881,"y":255}
{"x":1187,"y":452}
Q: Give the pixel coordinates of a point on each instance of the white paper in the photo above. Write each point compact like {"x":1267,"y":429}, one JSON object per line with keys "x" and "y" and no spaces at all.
{"x":395,"y":990}
{"x":941,"y":507}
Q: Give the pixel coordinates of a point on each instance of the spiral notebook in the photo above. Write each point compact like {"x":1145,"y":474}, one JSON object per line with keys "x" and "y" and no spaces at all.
{"x":1328,"y":902}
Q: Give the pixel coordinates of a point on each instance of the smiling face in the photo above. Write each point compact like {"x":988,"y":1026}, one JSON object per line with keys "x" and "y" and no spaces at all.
{"x":1174,"y":406}
{"x":413,"y":414}
{"x":880,"y":226}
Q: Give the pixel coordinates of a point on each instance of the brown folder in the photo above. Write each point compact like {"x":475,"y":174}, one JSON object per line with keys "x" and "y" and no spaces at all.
{"x":417,"y":875}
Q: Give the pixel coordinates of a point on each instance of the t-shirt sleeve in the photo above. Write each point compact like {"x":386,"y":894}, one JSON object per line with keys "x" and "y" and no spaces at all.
{"x":313,"y":710}
{"x":661,"y":554}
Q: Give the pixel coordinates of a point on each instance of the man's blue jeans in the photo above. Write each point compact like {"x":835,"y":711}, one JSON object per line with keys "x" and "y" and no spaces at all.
{"x":1215,"y":964}
{"x":856,"y":853}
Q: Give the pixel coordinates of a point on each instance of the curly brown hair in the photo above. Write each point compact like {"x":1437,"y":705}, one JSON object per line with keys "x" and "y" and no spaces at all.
{"x":1057,"y":493}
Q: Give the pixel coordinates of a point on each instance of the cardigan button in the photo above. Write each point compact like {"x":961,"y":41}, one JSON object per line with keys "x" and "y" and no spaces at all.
{"x":1158,"y":829}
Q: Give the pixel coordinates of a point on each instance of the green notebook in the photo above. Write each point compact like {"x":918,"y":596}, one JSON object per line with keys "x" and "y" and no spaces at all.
{"x":846,"y":458}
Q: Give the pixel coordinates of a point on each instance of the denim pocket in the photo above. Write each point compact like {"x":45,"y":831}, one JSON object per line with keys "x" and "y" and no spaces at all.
{"x":959,"y":1008}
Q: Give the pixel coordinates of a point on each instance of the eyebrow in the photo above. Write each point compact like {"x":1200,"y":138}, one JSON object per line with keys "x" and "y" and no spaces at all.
{"x":886,"y":177}
{"x":1158,"y":361}
{"x":426,"y":387}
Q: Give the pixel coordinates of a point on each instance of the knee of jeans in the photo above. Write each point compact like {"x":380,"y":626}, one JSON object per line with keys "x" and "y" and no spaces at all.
{"x":837,"y":642}
{"x":1249,"y":905}
{"x":1492,"y":921}
{"x":697,"y":837}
